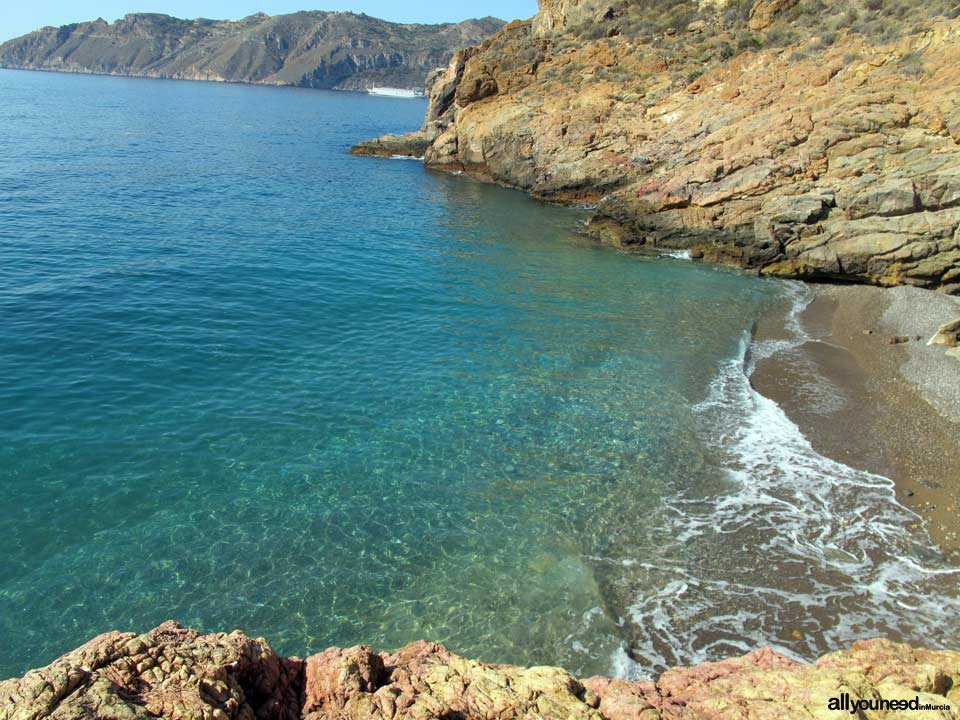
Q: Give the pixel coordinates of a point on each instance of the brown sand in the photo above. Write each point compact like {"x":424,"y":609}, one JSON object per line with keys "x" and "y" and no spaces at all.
{"x":891,"y":409}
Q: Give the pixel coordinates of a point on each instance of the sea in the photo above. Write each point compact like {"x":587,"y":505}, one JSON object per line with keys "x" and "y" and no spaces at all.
{"x":250,"y":381}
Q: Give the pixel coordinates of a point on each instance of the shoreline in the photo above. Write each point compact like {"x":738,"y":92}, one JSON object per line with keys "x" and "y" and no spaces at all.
{"x":885,"y":407}
{"x":171,"y":78}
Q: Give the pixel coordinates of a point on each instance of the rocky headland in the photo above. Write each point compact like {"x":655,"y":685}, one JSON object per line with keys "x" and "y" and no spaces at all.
{"x":807,"y":139}
{"x":316,"y":49}
{"x":812,"y":139}
{"x":179,"y":674}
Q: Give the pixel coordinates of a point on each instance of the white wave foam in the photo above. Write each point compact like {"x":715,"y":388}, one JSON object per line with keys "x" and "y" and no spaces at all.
{"x":799,"y":297}
{"x":624,"y":667}
{"x":785,"y":547}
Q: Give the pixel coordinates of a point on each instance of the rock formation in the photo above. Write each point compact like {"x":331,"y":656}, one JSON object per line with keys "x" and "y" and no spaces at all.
{"x":179,"y":674}
{"x":307,"y":49}
{"x":948,"y":334}
{"x":816,"y":139}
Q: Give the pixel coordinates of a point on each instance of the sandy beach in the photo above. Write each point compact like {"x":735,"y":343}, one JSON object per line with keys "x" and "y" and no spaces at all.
{"x":867,"y":391}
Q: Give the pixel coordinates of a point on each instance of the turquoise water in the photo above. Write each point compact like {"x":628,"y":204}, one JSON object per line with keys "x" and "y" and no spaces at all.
{"x":247,"y":380}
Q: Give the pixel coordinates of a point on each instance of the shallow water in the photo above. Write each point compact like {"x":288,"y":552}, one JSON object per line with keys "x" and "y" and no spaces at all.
{"x":247,"y":380}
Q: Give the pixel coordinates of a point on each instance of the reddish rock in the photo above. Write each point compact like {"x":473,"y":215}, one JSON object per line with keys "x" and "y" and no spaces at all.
{"x":178,"y":674}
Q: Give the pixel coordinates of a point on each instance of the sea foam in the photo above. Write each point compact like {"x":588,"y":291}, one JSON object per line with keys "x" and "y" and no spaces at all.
{"x":859,"y":563}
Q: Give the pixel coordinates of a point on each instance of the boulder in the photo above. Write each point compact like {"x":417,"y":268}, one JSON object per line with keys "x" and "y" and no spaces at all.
{"x":764,"y":11}
{"x":948,"y":334}
{"x":410,"y":145}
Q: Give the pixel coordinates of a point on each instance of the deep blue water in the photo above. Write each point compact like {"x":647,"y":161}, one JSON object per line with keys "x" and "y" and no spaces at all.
{"x":247,"y":380}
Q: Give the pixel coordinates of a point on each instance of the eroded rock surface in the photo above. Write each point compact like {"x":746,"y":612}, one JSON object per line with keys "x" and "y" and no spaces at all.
{"x":806,"y":161}
{"x":175,"y":673}
{"x":169,"y":672}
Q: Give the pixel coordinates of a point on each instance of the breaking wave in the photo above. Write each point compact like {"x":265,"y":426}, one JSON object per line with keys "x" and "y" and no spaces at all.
{"x":783,"y":547}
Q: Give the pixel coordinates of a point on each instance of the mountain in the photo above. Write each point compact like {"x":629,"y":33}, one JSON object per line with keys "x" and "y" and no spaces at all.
{"x":307,"y":49}
{"x":815,"y":139}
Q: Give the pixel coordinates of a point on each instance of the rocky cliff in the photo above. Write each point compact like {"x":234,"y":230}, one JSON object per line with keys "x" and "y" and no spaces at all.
{"x":179,"y":674}
{"x":817,"y":139}
{"x":307,"y":49}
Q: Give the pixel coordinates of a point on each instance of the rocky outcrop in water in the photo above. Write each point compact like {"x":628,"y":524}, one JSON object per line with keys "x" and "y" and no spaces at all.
{"x":306,"y":49}
{"x":814,"y":139}
{"x":179,"y":674}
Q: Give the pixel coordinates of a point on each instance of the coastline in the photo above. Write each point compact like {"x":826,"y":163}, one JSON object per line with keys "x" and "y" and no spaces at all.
{"x":147,"y":75}
{"x":885,"y":407}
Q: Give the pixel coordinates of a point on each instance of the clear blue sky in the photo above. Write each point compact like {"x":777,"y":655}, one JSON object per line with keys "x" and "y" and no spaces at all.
{"x":18,"y":17}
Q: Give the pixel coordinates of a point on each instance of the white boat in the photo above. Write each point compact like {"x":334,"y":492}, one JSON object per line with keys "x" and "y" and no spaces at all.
{"x":394,"y":92}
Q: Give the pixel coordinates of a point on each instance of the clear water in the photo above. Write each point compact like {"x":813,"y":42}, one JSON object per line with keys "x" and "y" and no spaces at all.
{"x":247,"y":380}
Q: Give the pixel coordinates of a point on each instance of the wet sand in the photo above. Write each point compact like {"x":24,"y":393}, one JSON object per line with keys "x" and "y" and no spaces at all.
{"x":891,"y":409}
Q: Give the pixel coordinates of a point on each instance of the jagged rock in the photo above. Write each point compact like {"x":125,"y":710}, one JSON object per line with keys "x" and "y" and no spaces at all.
{"x":870,"y":195}
{"x":174,"y":673}
{"x":476,"y":84}
{"x":410,"y":145}
{"x":780,"y":217}
{"x":763,"y":12}
{"x":558,"y":15}
{"x":169,"y":672}
{"x":948,"y":334}
{"x":425,"y":680}
{"x":819,"y":167}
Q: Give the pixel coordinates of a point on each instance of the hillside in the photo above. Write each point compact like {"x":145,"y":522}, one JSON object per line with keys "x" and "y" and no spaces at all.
{"x":817,"y":139}
{"x":306,"y":49}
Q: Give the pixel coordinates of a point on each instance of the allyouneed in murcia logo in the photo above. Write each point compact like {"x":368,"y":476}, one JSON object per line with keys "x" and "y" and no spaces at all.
{"x":845,"y":703}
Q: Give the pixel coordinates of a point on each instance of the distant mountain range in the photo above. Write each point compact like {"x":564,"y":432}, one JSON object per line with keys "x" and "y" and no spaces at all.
{"x":313,"y":49}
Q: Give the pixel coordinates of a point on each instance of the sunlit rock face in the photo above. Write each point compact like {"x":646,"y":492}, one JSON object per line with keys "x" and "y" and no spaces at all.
{"x":178,"y":674}
{"x":307,"y":49}
{"x":757,"y":134}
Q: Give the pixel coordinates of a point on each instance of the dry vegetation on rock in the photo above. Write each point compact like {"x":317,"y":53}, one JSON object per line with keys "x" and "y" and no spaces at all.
{"x":307,"y":49}
{"x":800,"y":138}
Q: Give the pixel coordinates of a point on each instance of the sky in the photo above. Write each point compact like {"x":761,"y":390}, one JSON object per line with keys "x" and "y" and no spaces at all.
{"x":18,"y":17}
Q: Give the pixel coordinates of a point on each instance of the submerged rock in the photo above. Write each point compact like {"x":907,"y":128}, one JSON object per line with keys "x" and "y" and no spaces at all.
{"x":176,"y":674}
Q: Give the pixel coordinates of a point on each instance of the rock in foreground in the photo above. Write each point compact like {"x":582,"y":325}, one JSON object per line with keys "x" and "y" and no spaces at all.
{"x":171,"y":672}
